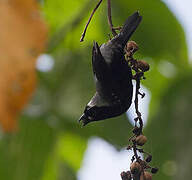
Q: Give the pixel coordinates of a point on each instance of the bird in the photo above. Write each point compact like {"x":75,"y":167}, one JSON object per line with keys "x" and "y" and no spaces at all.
{"x":112,"y":75}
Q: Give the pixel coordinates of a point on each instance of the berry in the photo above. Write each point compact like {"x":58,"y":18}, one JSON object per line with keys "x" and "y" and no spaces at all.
{"x":126,"y":175}
{"x":148,"y":159}
{"x":135,"y":168}
{"x":154,"y":170}
{"x":131,"y":48}
{"x":147,"y":175}
{"x":141,"y":140}
{"x":144,"y":66}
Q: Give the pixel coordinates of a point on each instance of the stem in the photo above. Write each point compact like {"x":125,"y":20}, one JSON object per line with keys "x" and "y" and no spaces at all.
{"x":93,"y":12}
{"x":136,"y":102}
{"x":110,"y":19}
{"x":135,"y":151}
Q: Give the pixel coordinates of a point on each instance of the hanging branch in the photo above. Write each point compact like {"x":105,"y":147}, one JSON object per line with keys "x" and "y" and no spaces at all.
{"x":110,"y":19}
{"x":139,"y":168}
{"x":89,"y":20}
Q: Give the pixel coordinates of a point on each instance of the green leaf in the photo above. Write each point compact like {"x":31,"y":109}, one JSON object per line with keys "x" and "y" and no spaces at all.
{"x":71,"y":149}
{"x":23,"y":155}
{"x":66,"y":158}
{"x":169,"y":131}
{"x":60,"y":12}
{"x":160,"y":35}
{"x":160,"y":38}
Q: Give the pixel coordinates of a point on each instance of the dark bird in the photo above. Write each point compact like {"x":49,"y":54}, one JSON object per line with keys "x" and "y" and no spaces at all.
{"x":113,"y":76}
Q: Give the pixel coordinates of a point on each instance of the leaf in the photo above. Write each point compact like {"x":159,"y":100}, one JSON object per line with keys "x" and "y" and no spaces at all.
{"x":66,"y":158}
{"x":160,"y":37}
{"x":23,"y":36}
{"x":24,"y":154}
{"x":169,"y":131}
{"x":59,"y":12}
{"x":70,"y":95}
{"x":71,"y":149}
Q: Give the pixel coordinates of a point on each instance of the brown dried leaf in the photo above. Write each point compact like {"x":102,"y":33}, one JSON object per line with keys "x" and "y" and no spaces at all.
{"x":22,"y":38}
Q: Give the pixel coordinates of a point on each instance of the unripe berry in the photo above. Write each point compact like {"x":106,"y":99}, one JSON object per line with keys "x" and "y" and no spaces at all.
{"x":154,"y":170}
{"x":126,"y":175}
{"x":148,"y":159}
{"x":141,"y":140}
{"x":135,"y":168}
{"x":147,"y":175}
{"x":144,"y":66}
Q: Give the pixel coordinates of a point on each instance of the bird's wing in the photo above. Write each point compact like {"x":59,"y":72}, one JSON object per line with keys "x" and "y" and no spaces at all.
{"x":98,"y":101}
{"x":100,"y":67}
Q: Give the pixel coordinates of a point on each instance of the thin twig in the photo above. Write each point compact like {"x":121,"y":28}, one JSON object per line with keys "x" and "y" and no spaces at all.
{"x":136,"y":102}
{"x":136,"y":176}
{"x":110,"y":19}
{"x":135,"y":151}
{"x":93,"y":12}
{"x":138,"y":139}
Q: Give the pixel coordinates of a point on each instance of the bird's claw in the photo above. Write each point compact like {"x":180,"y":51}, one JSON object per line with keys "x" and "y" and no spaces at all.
{"x":119,"y":28}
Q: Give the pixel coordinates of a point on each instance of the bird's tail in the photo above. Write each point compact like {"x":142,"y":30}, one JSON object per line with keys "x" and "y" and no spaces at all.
{"x":129,"y":28}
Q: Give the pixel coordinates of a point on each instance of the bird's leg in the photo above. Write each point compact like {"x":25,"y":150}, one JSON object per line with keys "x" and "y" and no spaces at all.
{"x":109,"y":36}
{"x":118,"y":28}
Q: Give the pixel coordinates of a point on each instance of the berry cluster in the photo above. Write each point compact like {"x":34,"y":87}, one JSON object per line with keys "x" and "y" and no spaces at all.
{"x":139,"y":169}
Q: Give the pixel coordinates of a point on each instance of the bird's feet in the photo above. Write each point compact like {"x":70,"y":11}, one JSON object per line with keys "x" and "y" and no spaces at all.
{"x":114,"y":29}
{"x":118,"y":28}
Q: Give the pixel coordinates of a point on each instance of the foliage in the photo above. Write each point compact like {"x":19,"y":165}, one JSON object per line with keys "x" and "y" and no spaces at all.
{"x":49,"y":143}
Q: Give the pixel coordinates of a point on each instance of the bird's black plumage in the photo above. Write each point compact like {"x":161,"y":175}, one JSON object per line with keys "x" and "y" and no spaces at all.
{"x":113,"y":76}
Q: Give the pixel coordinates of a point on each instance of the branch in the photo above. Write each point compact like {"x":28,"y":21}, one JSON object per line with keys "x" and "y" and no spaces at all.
{"x":110,"y":19}
{"x":93,"y":12}
{"x":137,"y":93}
{"x":139,"y":167}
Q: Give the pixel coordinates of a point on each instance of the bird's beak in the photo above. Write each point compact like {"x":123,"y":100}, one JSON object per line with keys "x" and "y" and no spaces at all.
{"x":84,"y":119}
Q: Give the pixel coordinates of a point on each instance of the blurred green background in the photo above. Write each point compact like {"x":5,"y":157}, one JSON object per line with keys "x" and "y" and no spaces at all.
{"x":51,"y":145}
